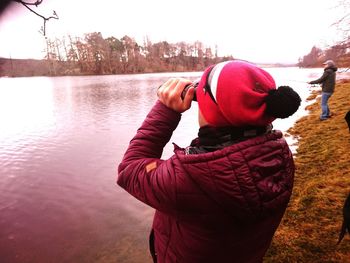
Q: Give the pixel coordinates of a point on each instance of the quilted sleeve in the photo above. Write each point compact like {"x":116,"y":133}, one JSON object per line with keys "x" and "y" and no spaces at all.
{"x":142,"y":173}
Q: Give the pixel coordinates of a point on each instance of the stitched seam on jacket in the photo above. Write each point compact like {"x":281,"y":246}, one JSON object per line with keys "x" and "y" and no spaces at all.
{"x":204,"y":192}
{"x":217,"y":192}
{"x":256,"y":189}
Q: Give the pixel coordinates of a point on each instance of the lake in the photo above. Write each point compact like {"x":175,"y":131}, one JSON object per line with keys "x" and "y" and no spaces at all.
{"x":61,"y":140}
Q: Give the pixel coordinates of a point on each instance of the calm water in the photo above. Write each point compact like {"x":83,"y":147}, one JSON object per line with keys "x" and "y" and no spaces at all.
{"x":61,"y":140}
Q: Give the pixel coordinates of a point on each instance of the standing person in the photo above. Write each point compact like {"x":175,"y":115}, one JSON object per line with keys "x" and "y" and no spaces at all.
{"x":222,"y":198}
{"x":327,"y":81}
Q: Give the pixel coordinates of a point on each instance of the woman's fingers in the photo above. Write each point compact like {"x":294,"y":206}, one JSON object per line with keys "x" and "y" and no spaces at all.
{"x":170,"y":94}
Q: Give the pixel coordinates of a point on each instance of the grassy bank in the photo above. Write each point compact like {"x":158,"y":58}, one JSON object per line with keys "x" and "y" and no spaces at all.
{"x":310,"y":228}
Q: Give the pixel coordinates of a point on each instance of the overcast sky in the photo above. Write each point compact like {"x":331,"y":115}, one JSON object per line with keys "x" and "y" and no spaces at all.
{"x":255,"y":30}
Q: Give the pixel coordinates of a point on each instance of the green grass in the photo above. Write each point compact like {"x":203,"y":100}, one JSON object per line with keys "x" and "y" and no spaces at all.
{"x":310,"y":227}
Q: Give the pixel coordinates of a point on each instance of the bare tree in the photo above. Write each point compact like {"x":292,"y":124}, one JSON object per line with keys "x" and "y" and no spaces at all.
{"x":343,"y":23}
{"x":340,"y":50}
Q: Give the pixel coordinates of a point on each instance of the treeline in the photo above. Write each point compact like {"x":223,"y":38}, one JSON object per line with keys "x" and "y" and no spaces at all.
{"x":23,"y":67}
{"x":96,"y":55}
{"x":339,"y":53}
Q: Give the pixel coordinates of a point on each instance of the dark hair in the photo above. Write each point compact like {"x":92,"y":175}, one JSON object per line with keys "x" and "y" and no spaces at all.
{"x":282,"y":102}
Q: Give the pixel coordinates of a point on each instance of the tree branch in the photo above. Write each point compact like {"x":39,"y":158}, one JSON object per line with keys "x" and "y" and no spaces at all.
{"x":341,"y":20}
{"x":36,"y":3}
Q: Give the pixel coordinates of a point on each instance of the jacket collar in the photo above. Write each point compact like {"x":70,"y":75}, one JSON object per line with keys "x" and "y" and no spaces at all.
{"x":214,"y":138}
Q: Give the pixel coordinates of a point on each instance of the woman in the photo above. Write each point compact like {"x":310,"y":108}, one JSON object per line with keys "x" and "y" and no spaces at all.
{"x":222,"y":198}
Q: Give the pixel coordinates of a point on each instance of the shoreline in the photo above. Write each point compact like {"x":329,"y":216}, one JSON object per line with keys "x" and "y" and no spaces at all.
{"x":310,"y":227}
{"x":343,"y":76}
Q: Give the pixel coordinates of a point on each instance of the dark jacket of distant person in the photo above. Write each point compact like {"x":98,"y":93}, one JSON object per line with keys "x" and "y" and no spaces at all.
{"x":328,"y":78}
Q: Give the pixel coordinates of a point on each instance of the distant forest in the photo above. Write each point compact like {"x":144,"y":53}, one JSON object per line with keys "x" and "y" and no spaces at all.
{"x":340,"y":53}
{"x":95,"y":55}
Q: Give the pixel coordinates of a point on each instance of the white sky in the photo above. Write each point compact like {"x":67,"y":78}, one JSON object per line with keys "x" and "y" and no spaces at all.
{"x":260,"y":31}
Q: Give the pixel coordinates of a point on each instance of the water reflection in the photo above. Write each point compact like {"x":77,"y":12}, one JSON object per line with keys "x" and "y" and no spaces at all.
{"x":60,"y":142}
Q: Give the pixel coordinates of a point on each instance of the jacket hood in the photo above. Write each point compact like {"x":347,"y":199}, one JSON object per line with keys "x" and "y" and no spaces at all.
{"x":249,"y":179}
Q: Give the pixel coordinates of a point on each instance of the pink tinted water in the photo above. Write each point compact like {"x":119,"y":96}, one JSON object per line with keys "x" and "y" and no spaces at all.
{"x":61,"y":140}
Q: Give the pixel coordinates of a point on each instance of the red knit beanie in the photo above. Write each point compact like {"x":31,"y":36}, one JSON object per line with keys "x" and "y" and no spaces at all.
{"x":233,"y":93}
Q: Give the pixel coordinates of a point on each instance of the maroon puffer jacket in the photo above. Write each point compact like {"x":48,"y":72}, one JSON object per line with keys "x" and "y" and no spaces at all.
{"x":222,"y":206}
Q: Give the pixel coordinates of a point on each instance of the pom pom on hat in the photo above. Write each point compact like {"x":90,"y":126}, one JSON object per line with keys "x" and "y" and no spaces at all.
{"x":282,"y":103}
{"x":238,"y":93}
